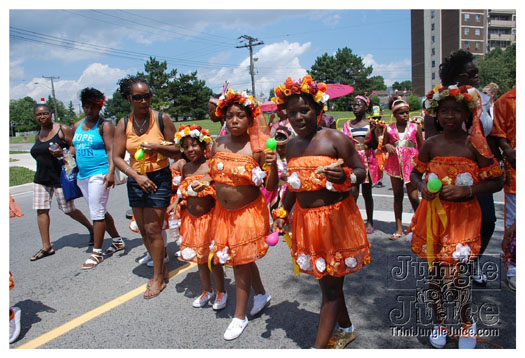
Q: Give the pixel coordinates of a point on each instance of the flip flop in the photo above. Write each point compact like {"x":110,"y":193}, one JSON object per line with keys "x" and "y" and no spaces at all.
{"x":370,"y":230}
{"x":395,"y":236}
{"x":148,"y":289}
{"x":42,"y":253}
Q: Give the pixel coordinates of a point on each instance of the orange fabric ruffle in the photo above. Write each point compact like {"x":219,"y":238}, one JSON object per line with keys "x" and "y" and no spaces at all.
{"x":11,"y":282}
{"x":240,"y":234}
{"x":301,"y":173}
{"x":419,"y":165}
{"x":232,"y":168}
{"x":490,"y":172}
{"x":464,"y":218}
{"x":14,"y":209}
{"x":196,"y":237}
{"x":209,"y":190}
{"x":334,"y":234}
{"x":464,"y":225}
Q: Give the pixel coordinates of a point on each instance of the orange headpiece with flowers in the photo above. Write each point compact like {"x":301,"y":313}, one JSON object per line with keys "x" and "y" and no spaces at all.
{"x":258,"y":131}
{"x":305,"y":85}
{"x":468,"y":95}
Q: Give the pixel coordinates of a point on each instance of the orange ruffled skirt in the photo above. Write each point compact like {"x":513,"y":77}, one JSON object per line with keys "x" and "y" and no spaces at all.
{"x":243,"y":231}
{"x":196,"y":235}
{"x":330,"y":240}
{"x":464,"y":225}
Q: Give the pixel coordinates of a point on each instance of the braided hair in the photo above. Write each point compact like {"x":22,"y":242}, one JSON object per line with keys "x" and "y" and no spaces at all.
{"x":453,"y":65}
{"x":126,"y":83}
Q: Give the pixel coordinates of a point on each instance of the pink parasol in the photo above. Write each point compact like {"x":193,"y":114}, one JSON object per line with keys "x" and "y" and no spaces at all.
{"x":334,"y":90}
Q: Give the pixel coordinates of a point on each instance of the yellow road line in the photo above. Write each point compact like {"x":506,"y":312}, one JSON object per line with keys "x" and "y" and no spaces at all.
{"x":74,"y":323}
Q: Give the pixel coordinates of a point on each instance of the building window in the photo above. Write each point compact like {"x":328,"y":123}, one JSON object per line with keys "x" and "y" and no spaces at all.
{"x":466,"y":30}
{"x":433,"y":51}
{"x":514,"y":31}
{"x":478,"y":18}
{"x":466,"y":17}
{"x":432,"y":26}
{"x":477,"y":45}
{"x":432,"y":13}
{"x":433,"y":75}
{"x":433,"y":38}
{"x":433,"y":63}
{"x":467,"y":44}
{"x":477,"y":32}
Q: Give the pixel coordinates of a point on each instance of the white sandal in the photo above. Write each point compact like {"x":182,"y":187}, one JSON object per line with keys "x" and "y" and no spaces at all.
{"x":92,"y":261}
{"x":116,"y":245}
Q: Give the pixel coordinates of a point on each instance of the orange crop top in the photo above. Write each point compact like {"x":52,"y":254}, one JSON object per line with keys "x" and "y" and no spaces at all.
{"x":457,"y":170}
{"x":152,"y":135}
{"x":236,"y":169}
{"x":302,"y":176}
{"x":186,"y":184}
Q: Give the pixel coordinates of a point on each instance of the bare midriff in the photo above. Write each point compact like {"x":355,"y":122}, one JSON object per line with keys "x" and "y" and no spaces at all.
{"x":236,"y":197}
{"x":316,"y":199}
{"x":198,"y":206}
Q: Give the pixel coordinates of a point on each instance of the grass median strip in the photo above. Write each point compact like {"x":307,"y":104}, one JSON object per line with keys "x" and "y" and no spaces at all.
{"x":20,"y":175}
{"x":88,"y":316}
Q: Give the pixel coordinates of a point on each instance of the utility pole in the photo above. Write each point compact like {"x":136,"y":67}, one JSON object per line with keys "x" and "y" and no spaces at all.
{"x":53,"y":93}
{"x":250,"y":44}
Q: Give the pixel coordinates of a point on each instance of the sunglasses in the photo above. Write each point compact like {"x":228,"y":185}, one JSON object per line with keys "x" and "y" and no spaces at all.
{"x":140,"y":97}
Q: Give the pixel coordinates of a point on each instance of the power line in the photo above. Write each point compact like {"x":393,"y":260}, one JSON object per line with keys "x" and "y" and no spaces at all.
{"x":250,"y":45}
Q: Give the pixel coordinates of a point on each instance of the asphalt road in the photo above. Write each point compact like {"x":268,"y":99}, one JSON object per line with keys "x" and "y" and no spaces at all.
{"x":66,"y":307}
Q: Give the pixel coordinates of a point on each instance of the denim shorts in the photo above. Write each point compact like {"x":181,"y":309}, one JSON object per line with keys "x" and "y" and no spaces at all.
{"x":159,"y":199}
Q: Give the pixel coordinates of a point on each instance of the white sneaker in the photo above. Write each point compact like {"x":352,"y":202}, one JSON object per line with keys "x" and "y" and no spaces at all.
{"x":235,"y":328}
{"x":203,"y":299}
{"x":166,"y":260}
{"x":14,"y":324}
{"x":259,"y":302}
{"x":145,"y":259}
{"x":438,"y":337}
{"x":220,"y":300}
{"x":467,"y":339}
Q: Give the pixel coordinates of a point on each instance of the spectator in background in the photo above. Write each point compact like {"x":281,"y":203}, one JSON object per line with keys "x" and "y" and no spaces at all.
{"x":491,"y":90}
{"x":327,"y":120}
{"x":47,"y":176}
{"x":504,"y":132}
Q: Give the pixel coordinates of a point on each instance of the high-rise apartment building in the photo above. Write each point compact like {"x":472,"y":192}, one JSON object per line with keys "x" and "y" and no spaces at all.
{"x":436,"y":33}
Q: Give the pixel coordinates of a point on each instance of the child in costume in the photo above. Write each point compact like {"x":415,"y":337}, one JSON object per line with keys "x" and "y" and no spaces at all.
{"x":376,"y":121}
{"x":360,"y":131}
{"x":329,"y":236}
{"x":197,"y":216}
{"x":401,"y":142}
{"x":241,"y":219}
{"x":446,"y":226}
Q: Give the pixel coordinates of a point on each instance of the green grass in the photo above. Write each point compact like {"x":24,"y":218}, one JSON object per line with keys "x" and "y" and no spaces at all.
{"x":30,"y":139}
{"x":13,"y":160}
{"x":18,"y":151}
{"x":20,"y":175}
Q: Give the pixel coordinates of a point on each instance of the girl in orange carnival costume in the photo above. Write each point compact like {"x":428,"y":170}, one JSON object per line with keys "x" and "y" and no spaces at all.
{"x":329,"y":236}
{"x":197,"y":215}
{"x":446,"y":226}
{"x":241,"y":216}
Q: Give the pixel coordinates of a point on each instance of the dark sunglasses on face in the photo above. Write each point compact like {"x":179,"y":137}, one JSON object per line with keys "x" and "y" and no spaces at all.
{"x":140,"y":97}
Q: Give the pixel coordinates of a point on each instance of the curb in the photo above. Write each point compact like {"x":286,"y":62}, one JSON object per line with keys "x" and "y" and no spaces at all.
{"x":21,"y":189}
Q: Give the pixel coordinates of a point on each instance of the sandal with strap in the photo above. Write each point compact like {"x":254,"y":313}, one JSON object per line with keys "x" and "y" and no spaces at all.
{"x":93,"y":261}
{"x":396,"y":236}
{"x":155,"y":292}
{"x":115,"y":246}
{"x":42,"y":253}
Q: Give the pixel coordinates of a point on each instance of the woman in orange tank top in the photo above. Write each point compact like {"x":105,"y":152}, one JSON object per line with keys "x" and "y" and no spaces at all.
{"x":149,"y":182}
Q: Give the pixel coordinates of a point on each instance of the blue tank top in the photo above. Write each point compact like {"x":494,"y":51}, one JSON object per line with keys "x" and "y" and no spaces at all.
{"x":92,"y":158}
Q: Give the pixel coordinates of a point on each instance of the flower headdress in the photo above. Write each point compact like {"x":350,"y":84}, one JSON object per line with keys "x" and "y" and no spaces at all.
{"x":194,"y":131}
{"x":464,"y":93}
{"x":241,"y":98}
{"x":305,"y":85}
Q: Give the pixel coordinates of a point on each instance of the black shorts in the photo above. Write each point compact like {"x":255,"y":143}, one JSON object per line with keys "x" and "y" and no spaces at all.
{"x":138,"y":198}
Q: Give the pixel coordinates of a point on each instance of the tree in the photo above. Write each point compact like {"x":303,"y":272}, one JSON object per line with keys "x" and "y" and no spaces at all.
{"x":491,"y":69}
{"x":70,"y":116}
{"x":344,"y":68}
{"x":61,"y":110}
{"x":377,"y":83}
{"x":414,"y":102}
{"x":271,"y":94}
{"x":21,"y":114}
{"x":116,"y":107}
{"x":189,"y":96}
{"x":405,"y":85}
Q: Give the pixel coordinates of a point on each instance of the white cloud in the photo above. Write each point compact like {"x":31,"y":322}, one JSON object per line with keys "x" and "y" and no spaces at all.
{"x":274,"y":63}
{"x":96,"y":75}
{"x":16,"y":70}
{"x":391,"y":72}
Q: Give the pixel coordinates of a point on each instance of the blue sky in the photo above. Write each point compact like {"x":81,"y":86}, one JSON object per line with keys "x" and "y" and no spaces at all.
{"x":98,"y":47}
